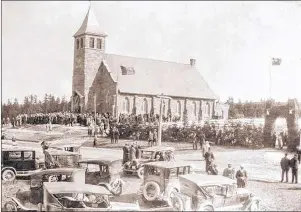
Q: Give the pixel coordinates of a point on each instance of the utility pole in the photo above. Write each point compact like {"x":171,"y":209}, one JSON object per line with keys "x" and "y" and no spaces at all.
{"x":160,"y":118}
{"x":95,"y":109}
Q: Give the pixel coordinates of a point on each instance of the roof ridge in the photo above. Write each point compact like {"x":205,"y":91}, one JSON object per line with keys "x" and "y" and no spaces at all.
{"x":145,"y":58}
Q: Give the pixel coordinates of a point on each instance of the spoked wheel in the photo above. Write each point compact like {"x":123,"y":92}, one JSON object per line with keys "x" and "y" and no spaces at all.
{"x":117,"y":187}
{"x":177,"y":204}
{"x":8,"y":175}
{"x":10,"y":206}
{"x":140,"y":172}
{"x":53,"y":178}
{"x":208,"y":208}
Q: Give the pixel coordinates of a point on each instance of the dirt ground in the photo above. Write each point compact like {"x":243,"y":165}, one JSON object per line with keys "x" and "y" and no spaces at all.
{"x":262,"y":165}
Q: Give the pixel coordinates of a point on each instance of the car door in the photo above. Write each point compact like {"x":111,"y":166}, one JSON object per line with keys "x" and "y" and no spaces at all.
{"x":232,"y":199}
{"x":28,"y":162}
{"x":93,"y":174}
{"x":14,"y":159}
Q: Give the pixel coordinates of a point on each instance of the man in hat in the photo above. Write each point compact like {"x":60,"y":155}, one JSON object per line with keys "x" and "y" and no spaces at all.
{"x":209,"y":157}
{"x":285,"y":166}
{"x":241,"y":177}
{"x":126,"y":153}
{"x":294,"y":165}
{"x":229,"y":172}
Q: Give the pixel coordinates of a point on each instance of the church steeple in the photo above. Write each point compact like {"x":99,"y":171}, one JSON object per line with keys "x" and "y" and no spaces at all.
{"x":90,"y":25}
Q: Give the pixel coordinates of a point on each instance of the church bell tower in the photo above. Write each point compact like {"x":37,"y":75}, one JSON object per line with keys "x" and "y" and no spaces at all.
{"x":89,"y":49}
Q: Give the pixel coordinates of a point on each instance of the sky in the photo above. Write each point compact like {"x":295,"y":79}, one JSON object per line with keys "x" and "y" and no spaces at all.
{"x":232,"y":42}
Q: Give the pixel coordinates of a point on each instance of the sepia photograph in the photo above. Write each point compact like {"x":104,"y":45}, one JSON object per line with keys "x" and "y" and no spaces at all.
{"x":150,"y":105}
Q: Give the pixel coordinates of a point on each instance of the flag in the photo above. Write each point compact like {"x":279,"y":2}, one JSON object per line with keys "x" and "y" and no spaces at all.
{"x":276,"y":61}
{"x":127,"y":70}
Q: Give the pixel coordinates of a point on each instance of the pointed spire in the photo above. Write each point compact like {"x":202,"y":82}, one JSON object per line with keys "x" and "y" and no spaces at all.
{"x":90,"y":24}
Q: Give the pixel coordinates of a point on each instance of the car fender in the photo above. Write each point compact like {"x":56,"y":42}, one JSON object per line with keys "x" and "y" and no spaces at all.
{"x":19,"y":204}
{"x":249,"y":202}
{"x":12,"y":168}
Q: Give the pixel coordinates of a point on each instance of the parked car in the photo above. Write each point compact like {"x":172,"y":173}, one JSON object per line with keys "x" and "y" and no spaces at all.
{"x":150,"y":154}
{"x":161,"y":180}
{"x":55,"y":158}
{"x":201,"y":192}
{"x":35,"y":194}
{"x":19,"y":162}
{"x":105,"y":173}
{"x":68,"y":196}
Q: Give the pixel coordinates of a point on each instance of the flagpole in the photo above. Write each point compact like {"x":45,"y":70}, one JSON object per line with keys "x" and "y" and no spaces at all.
{"x":270,"y":73}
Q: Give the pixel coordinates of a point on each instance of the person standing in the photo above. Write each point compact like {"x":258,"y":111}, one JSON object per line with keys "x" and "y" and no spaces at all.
{"x":202,"y":140}
{"x":294,"y":165}
{"x":95,"y":141}
{"x":155,"y":137}
{"x":150,"y":138}
{"x":209,"y":157}
{"x":274,"y":139}
{"x":132,"y":153}
{"x":126,"y":152}
{"x":205,"y":148}
{"x":229,"y":172}
{"x":241,"y":177}
{"x":116,"y":134}
{"x":284,"y":163}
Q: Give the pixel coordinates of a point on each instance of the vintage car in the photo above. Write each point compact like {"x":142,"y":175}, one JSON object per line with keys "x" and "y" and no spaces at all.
{"x":201,"y":192}
{"x":19,"y":162}
{"x":150,"y":154}
{"x":69,"y":196}
{"x":161,"y":180}
{"x":105,"y":173}
{"x":55,"y":158}
{"x":34,"y":195}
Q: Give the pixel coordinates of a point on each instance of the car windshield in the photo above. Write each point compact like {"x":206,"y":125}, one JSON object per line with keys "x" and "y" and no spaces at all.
{"x":219,"y":190}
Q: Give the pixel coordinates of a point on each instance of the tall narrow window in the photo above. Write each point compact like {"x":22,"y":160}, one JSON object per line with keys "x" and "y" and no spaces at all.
{"x":81,"y":43}
{"x":91,"y":43}
{"x":178,"y":108}
{"x":144,"y":107}
{"x":98,"y":43}
{"x":126,"y":105}
{"x":208,"y":109}
{"x":77,"y":43}
{"x":194,"y":109}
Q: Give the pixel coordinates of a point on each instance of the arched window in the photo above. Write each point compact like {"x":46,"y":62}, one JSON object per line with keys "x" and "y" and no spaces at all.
{"x":144,"y":107}
{"x":194,"y":109}
{"x":77,"y":43}
{"x":81,"y":43}
{"x":208,"y":109}
{"x":178,"y":111}
{"x":126,"y":105}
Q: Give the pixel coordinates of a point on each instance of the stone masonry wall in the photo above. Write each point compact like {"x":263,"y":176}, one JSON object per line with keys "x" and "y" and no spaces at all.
{"x":173,"y":104}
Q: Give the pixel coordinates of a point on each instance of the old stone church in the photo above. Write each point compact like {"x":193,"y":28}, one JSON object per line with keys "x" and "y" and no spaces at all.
{"x":122,"y":84}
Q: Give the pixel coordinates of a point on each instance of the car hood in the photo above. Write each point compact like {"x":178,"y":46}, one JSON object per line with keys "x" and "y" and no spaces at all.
{"x":122,"y":206}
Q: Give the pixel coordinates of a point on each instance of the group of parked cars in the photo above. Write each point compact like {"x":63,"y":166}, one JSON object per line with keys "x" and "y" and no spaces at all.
{"x":66,"y":182}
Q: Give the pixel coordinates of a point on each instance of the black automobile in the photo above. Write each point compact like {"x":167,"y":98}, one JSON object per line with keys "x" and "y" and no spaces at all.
{"x":19,"y":162}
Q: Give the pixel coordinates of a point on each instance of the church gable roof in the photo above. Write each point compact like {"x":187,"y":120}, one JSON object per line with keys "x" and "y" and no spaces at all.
{"x":90,"y":25}
{"x":154,"y":77}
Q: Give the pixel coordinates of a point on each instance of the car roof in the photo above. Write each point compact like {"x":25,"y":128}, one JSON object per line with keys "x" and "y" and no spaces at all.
{"x":168,"y":164}
{"x":16,"y":149}
{"x":100,"y":161}
{"x":62,"y":144}
{"x":205,"y":180}
{"x":60,"y":152}
{"x":56,"y":171}
{"x":72,"y":187}
{"x":158,"y":148}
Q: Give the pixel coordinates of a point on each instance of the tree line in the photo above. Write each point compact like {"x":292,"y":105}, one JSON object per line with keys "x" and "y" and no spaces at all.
{"x":31,"y":105}
{"x":248,"y":109}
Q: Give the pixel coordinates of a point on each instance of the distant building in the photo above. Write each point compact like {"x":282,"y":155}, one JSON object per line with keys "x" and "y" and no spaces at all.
{"x":123,"y":84}
{"x":221,"y":110}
